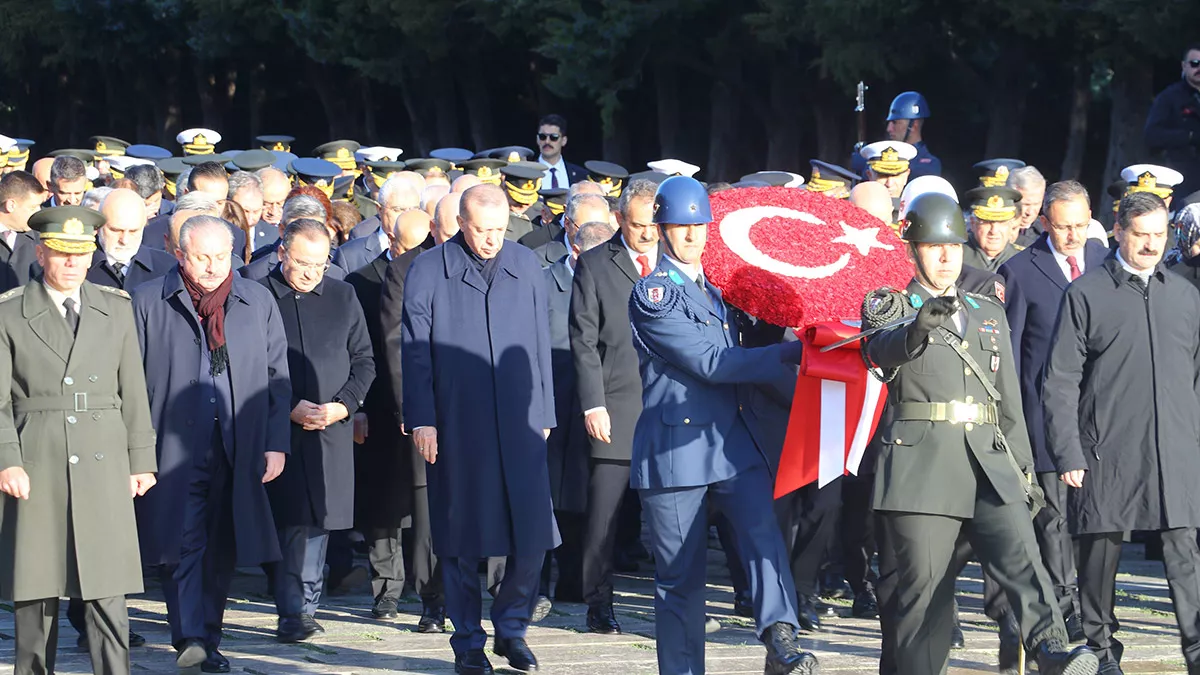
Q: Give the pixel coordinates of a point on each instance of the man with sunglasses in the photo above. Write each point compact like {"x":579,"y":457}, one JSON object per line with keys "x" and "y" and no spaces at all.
{"x":551,"y":139}
{"x":1173,"y":124}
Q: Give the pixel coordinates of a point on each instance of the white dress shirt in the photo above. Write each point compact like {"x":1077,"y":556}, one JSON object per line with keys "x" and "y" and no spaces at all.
{"x":564,"y":181}
{"x":1061,"y":259}
{"x":384,"y":242}
{"x":57,"y":297}
{"x":651,"y":255}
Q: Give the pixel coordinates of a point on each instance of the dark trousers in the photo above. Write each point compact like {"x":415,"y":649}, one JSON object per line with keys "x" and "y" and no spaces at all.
{"x":923,"y":569}
{"x":511,"y":607}
{"x":678,"y":532}
{"x":738,"y":574}
{"x":426,"y":568}
{"x":339,"y":555}
{"x":301,"y":571}
{"x":105,"y":620}
{"x":629,"y":524}
{"x":569,"y":557}
{"x":608,"y":484}
{"x":386,"y":556}
{"x":197,"y":587}
{"x":858,"y":532}
{"x":1058,"y":547}
{"x":808,"y":518}
{"x":1099,"y":555}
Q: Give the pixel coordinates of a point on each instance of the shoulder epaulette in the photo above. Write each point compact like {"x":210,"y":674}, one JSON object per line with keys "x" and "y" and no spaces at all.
{"x":9,"y":295}
{"x":981,"y":296}
{"x":113,"y":290}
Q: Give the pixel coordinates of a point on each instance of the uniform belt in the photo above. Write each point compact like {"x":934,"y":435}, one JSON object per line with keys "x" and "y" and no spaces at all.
{"x":79,"y":402}
{"x":954,"y":412}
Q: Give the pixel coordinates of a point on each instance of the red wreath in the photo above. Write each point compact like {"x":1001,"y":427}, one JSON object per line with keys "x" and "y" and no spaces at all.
{"x":841,"y":252}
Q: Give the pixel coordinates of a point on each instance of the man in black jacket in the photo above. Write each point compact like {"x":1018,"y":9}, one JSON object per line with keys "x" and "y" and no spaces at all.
{"x":1173,"y":124}
{"x":21,"y":195}
{"x":1123,"y":421}
{"x":123,"y":262}
{"x":610,"y":388}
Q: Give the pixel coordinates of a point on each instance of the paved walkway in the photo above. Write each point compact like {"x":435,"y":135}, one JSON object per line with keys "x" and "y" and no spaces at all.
{"x":357,"y":644}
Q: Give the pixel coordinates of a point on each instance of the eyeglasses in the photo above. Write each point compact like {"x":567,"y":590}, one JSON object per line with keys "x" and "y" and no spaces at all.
{"x":308,"y":266}
{"x":555,"y":137}
{"x":1194,"y":63}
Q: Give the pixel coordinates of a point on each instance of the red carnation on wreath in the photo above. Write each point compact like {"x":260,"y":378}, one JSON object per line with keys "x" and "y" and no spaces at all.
{"x":801,"y":259}
{"x":796,"y":258}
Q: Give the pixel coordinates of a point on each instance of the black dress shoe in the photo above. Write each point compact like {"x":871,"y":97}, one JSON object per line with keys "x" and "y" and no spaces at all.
{"x":1110,"y":668}
{"x":1075,"y":629}
{"x":292,"y":629}
{"x":1054,"y":659}
{"x":472,"y":662}
{"x":541,"y":609}
{"x":1009,"y":659}
{"x":135,"y":640}
{"x":191,"y":653}
{"x":866,"y":605}
{"x":433,"y":619}
{"x":516,"y":650}
{"x":743,"y":605}
{"x":215,"y":663}
{"x":385,"y":608}
{"x":833,"y":586}
{"x":600,"y":619}
{"x":957,"y":641}
{"x":784,"y":654}
{"x":311,"y":625}
{"x":806,"y":614}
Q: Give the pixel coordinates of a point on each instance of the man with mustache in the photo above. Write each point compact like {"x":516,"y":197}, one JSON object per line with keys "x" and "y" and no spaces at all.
{"x":551,"y":139}
{"x":1123,"y":419}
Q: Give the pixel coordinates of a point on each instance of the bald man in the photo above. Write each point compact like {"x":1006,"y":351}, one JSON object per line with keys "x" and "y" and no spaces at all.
{"x":445,"y":219}
{"x":122,"y":261}
{"x":411,"y":230}
{"x":431,"y":196}
{"x":873,"y":197}
{"x":464,"y":182}
{"x":275,"y":188}
{"x":41,"y":171}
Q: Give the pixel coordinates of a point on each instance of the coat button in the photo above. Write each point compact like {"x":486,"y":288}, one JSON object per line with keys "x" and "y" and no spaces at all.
{"x":212,"y":400}
{"x":725,"y":326}
{"x":687,"y":420}
{"x":970,"y":399}
{"x":92,"y":378}
{"x":968,"y":426}
{"x":965,"y":344}
{"x":74,"y":459}
{"x":930,"y":339}
{"x":196,"y":340}
{"x":193,"y":382}
{"x":899,"y":442}
{"x":96,"y":416}
{"x":99,"y":456}
{"x":966,"y":371}
{"x":70,"y":419}
{"x":68,"y":380}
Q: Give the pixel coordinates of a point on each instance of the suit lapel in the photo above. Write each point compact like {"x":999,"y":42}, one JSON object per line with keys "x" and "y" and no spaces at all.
{"x":45,"y":321}
{"x":379,"y":265}
{"x":1043,"y":259}
{"x":620,"y":258}
{"x":455,"y":260}
{"x":562,"y":276}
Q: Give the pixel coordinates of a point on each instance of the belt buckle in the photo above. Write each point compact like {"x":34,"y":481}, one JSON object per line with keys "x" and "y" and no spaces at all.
{"x":963,"y":412}
{"x":81,"y":401}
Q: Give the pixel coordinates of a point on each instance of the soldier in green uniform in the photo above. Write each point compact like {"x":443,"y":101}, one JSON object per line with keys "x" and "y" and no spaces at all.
{"x":995,"y":213}
{"x":955,"y":457}
{"x":76,"y":447}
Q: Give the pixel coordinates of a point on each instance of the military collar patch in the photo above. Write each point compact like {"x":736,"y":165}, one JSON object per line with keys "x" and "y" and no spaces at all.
{"x":654,"y":293}
{"x":675,"y":276}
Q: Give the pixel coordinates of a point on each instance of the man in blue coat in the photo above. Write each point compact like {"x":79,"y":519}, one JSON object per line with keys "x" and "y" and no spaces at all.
{"x":478,"y":397}
{"x":694,"y":442}
{"x":1036,"y":280}
{"x":214,"y":349}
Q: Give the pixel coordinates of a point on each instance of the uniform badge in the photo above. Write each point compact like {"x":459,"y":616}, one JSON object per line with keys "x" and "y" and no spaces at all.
{"x":999,"y":288}
{"x":995,"y":362}
{"x":654,"y":293}
{"x":674,"y":276}
{"x":991,"y":323}
{"x":916,"y":301}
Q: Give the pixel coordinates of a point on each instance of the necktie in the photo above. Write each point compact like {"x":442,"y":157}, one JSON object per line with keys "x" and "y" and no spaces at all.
{"x":119,"y":269}
{"x":554,"y":180}
{"x":1139,"y":282}
{"x":643,"y":265}
{"x":1074,"y":267}
{"x":704,"y":287}
{"x":72,"y":315}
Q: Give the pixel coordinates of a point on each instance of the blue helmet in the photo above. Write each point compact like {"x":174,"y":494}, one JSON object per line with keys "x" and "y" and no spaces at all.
{"x":909,"y":105}
{"x":681,"y":200}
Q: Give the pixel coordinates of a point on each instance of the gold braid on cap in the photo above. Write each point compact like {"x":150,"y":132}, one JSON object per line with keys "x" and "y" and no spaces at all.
{"x":1148,"y":182}
{"x":994,"y":211}
{"x":888,"y":163}
{"x":525,"y":192}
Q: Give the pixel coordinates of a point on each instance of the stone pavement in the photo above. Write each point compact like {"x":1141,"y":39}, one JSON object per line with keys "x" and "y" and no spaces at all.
{"x":357,"y":644}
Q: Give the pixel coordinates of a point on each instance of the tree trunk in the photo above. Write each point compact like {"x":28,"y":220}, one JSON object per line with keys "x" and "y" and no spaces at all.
{"x":1077,"y":123}
{"x":667,"y":100}
{"x":477,"y":102}
{"x":615,"y":144}
{"x":1131,"y":96}
{"x":256,"y":99}
{"x":421,"y":143}
{"x":443,"y":105}
{"x":370,"y":121}
{"x":1008,"y":93}
{"x":724,"y":135}
{"x":783,"y":127}
{"x":205,"y":81}
{"x":330,"y":90}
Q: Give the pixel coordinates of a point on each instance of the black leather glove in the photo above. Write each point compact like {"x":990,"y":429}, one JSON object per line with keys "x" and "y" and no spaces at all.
{"x":931,"y":315}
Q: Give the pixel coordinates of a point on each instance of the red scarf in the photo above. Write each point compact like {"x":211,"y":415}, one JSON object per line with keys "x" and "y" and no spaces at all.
{"x":211,"y":308}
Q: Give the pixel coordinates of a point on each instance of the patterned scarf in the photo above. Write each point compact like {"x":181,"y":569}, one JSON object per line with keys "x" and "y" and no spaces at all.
{"x":211,"y":308}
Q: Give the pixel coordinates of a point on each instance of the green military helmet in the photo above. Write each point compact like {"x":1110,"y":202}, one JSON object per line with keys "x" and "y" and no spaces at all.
{"x":933,"y":218}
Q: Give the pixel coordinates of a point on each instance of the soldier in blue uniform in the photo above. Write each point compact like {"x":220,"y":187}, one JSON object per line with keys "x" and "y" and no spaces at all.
{"x":693,"y":443}
{"x":906,"y":123}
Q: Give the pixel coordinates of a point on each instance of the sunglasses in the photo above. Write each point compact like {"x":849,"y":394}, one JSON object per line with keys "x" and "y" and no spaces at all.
{"x":555,"y":137}
{"x":1194,"y":63}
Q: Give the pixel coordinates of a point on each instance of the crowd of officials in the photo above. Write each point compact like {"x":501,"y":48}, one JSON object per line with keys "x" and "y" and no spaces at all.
{"x":500,"y":364}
